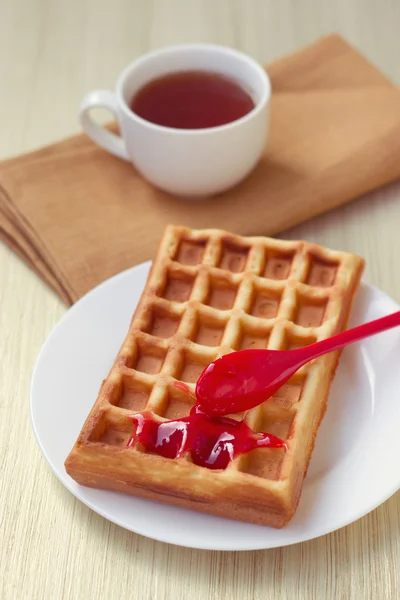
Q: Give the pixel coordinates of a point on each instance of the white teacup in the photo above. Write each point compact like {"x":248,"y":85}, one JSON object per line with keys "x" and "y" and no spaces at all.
{"x":186,"y":162}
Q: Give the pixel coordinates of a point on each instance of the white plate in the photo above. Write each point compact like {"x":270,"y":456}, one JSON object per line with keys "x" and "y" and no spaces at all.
{"x":354,"y":466}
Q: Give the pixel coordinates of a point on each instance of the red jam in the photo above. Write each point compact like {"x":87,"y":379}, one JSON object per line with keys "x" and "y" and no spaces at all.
{"x":212,"y":442}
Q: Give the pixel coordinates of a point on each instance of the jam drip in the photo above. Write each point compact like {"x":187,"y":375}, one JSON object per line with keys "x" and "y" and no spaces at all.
{"x":212,"y":442}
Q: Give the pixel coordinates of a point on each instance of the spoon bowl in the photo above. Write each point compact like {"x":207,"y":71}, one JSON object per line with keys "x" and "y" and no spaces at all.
{"x":241,"y":380}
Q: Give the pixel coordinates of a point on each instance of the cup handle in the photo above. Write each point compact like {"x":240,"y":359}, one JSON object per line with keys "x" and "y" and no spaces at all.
{"x":109,"y":141}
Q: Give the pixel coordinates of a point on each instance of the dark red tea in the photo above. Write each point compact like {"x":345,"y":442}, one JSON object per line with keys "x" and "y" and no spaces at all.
{"x":192,"y":100}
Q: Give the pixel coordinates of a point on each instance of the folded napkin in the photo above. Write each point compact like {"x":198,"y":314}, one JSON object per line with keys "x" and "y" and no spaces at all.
{"x":77,"y":215}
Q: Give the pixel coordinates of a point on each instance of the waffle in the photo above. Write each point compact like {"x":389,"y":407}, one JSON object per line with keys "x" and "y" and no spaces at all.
{"x":208,"y":293}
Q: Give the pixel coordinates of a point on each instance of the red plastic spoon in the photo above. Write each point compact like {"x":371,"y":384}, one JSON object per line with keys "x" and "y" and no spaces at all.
{"x":241,"y":380}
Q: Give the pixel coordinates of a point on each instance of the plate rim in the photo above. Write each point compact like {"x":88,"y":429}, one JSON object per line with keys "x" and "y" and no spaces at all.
{"x":70,"y":484}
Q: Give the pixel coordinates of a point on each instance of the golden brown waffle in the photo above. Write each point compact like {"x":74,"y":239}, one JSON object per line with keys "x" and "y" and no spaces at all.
{"x":208,"y":293}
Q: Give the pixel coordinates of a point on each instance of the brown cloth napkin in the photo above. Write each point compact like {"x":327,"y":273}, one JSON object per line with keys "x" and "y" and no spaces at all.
{"x":77,"y":215}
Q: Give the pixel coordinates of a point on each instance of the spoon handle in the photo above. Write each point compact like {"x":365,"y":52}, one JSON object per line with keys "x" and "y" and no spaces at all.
{"x":348,"y":337}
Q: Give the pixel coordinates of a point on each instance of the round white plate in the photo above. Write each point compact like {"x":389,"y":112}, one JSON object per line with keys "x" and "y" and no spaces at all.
{"x":354,"y":467}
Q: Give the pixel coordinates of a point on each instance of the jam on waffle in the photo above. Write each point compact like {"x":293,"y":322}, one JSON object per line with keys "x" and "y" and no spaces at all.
{"x":208,"y":293}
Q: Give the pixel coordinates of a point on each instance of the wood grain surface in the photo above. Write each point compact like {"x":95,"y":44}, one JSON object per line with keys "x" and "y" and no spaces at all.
{"x":51,"y":545}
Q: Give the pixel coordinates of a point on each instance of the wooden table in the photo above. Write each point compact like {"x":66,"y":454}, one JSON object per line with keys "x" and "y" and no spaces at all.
{"x":52,"y":546}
